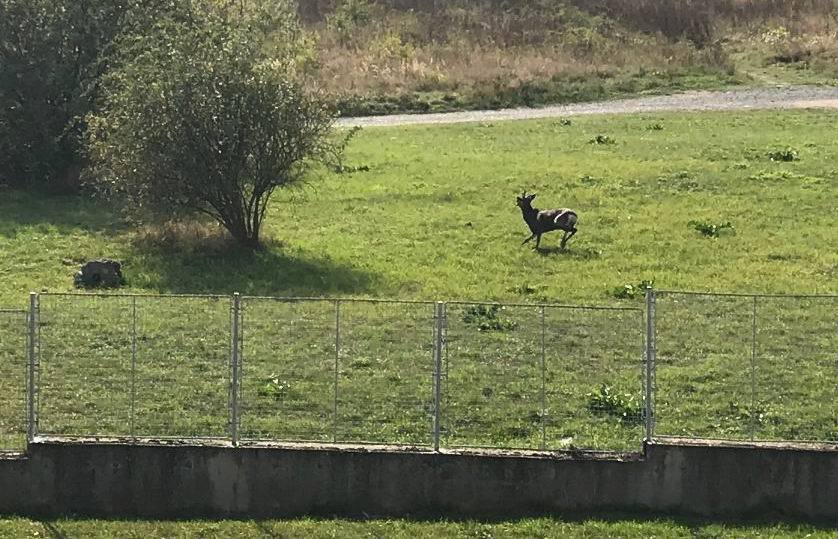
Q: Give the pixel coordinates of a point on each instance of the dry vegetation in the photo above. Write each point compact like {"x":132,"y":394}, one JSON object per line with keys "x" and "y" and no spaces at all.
{"x":471,"y":53}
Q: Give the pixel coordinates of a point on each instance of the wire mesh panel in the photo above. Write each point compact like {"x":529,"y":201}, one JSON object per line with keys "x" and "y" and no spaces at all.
{"x":12,"y":380}
{"x":114,"y":365}
{"x":704,"y":382}
{"x":542,"y":377}
{"x":181,"y":366}
{"x":796,"y":369}
{"x":746,"y":367}
{"x":492,"y":396}
{"x":84,"y":381}
{"x":593,"y":378}
{"x":384,"y":384}
{"x":288,"y":369}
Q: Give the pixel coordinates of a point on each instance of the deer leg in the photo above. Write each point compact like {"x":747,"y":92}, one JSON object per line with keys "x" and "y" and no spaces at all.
{"x":567,"y":235}
{"x":537,"y":241}
{"x":528,"y":239}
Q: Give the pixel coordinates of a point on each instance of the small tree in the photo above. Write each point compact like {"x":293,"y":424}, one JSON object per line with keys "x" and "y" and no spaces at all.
{"x":200,"y":115}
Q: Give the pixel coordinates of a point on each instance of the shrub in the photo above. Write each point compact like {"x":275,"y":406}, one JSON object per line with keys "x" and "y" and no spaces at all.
{"x":200,"y":117}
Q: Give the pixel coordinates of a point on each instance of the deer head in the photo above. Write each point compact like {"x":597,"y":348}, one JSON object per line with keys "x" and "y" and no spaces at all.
{"x":525,"y":200}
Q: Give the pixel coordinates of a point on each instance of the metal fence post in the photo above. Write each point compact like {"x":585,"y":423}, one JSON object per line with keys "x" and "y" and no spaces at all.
{"x":753,"y":368}
{"x":133,"y":364}
{"x":649,"y":360}
{"x":543,"y":382}
{"x":32,"y":370}
{"x":234,"y":369}
{"x":439,"y":316}
{"x":337,"y":372}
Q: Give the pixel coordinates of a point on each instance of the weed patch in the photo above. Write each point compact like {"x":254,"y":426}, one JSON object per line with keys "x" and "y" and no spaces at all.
{"x":487,"y":318}
{"x":712,"y":230}
{"x":623,"y":406}
{"x":783,"y":155}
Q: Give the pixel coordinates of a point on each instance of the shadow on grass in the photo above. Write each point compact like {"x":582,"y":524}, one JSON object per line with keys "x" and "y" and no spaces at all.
{"x":61,"y":213}
{"x":579,"y":253}
{"x":272,"y":272}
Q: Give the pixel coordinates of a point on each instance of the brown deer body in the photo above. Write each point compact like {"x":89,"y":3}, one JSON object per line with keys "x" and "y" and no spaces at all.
{"x":546,"y":220}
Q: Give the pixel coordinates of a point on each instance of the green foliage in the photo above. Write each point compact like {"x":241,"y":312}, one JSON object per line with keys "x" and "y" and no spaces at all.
{"x":349,"y":18}
{"x":52,"y":55}
{"x":624,"y":406}
{"x":631,"y":291}
{"x":198,"y":118}
{"x":487,"y":318}
{"x":274,"y":388}
{"x":784,"y":154}
{"x":712,"y":230}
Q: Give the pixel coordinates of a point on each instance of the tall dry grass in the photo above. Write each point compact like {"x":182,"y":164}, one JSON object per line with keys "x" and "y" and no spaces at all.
{"x":395,"y":46}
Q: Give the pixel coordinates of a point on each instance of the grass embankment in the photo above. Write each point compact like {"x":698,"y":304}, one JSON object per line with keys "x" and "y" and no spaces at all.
{"x":429,"y":214}
{"x":424,"y":55}
{"x":593,"y":527}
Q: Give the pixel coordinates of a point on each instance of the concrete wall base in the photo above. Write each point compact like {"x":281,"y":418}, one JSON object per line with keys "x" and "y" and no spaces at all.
{"x":176,"y":481}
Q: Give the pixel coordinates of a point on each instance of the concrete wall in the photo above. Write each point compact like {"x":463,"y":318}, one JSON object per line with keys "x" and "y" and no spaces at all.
{"x":165,"y":481}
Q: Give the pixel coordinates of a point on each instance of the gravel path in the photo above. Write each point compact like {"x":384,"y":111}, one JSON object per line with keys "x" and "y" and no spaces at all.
{"x":786,"y":97}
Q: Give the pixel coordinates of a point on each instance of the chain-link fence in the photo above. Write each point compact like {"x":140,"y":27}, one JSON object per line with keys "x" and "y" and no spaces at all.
{"x":423,"y":374}
{"x":12,"y":380}
{"x":743,"y":367}
{"x":326,"y":370}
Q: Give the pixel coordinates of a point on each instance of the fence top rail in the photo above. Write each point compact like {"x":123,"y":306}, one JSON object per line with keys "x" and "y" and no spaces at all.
{"x":740,"y":295}
{"x":291,"y":299}
{"x":551,"y":305}
{"x":118,"y":295}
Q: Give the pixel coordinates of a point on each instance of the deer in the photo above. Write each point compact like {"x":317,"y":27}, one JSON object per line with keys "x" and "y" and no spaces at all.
{"x":541,"y":221}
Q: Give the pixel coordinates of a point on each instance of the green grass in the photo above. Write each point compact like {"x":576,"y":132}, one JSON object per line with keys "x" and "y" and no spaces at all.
{"x":596,"y":526}
{"x":434,"y":218}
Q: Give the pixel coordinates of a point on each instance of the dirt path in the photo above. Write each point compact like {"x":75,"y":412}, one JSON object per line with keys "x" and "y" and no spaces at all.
{"x":787,"y":97}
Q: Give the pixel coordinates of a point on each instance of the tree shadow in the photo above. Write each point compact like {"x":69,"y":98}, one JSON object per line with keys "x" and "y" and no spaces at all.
{"x":271,"y":272}
{"x":21,"y":209}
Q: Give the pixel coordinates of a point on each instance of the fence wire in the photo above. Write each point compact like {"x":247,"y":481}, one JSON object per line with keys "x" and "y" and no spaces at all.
{"x":337,"y":370}
{"x":12,"y":380}
{"x":542,"y":377}
{"x":735,"y":367}
{"x":129,"y":366}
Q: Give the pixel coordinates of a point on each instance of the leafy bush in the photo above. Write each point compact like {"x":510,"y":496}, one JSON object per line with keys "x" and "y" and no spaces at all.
{"x":712,"y":230}
{"x":224,"y":127}
{"x":51,"y":58}
{"x":624,"y":406}
{"x":487,"y":318}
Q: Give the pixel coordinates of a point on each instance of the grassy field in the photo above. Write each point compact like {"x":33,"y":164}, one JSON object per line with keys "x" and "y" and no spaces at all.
{"x":427,"y":213}
{"x":624,"y":526}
